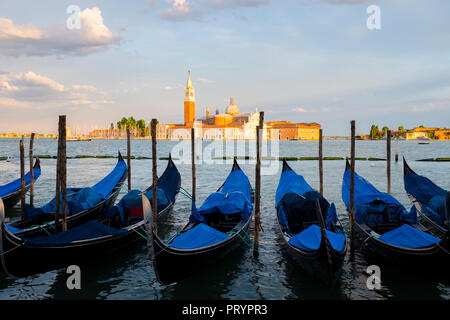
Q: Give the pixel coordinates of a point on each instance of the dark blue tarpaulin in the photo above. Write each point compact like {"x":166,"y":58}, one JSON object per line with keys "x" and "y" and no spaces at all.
{"x":430,"y":196}
{"x":15,"y":185}
{"x":82,"y":199}
{"x":200,"y":236}
{"x":294,"y":194}
{"x":310,"y":239}
{"x":368,"y":199}
{"x":90,"y":230}
{"x":406,"y":236}
{"x":234,"y":197}
{"x":167,"y":190}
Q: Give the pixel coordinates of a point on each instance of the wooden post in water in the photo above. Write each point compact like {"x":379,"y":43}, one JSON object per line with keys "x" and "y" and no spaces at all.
{"x":22,"y":178}
{"x":129,"y":158}
{"x":155,"y":177}
{"x":194,"y":176}
{"x":388,"y":161}
{"x":396,"y":149}
{"x":259,"y":137}
{"x":61,"y":178}
{"x":352,"y":178}
{"x":31,"y":169}
{"x":320,"y":162}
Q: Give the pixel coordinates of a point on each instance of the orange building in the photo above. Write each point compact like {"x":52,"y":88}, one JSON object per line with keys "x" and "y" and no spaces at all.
{"x":286,"y":130}
{"x":189,"y":102}
{"x":442,"y":134}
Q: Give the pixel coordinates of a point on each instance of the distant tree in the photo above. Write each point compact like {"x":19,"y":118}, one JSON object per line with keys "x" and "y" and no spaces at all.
{"x":111,"y":126}
{"x":374,"y":132}
{"x":421,"y":126}
{"x":140,"y":126}
{"x":401,"y":131}
{"x":385,"y":130}
{"x":430,"y":134}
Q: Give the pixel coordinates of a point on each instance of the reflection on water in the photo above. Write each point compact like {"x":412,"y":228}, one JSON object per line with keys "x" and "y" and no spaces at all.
{"x":129,"y":274}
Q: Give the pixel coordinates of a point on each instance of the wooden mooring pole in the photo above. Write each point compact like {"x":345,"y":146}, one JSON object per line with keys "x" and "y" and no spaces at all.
{"x":31,"y":170}
{"x":320,"y":163}
{"x":194,"y":175}
{"x":352,"y":179}
{"x":22,"y":179}
{"x":388,"y":160}
{"x":129,"y":158}
{"x":61,"y":175}
{"x":155,"y":177}
{"x":259,"y":137}
{"x":396,"y":149}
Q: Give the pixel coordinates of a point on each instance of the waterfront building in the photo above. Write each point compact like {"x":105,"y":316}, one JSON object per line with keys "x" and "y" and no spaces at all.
{"x":286,"y":130}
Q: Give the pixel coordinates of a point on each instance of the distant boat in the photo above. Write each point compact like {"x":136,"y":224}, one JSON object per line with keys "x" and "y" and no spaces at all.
{"x":75,"y":139}
{"x":424,"y":140}
{"x":78,"y":139}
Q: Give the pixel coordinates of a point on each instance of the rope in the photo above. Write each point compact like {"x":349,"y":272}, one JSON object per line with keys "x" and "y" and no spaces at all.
{"x":185,"y":193}
{"x":140,"y":234}
{"x":42,"y":227}
{"x":173,"y":237}
{"x":250,"y":242}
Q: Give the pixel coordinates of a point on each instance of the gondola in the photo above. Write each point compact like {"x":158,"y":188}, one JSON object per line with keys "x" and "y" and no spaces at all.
{"x":10,"y":193}
{"x":213,"y":231}
{"x":120,"y":227}
{"x":387,"y":230}
{"x":308,"y":225}
{"x":83,"y":204}
{"x":429,"y":200}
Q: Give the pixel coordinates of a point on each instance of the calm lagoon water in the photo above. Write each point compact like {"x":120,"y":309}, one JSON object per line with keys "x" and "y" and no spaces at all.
{"x":129,"y":275}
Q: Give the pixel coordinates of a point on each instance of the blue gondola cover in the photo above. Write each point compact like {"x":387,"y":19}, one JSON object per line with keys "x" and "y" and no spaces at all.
{"x":406,"y":236}
{"x":15,"y":185}
{"x":294,"y":193}
{"x":83,"y":199}
{"x":369,"y":199}
{"x":200,"y":236}
{"x":234,"y":197}
{"x":430,"y":196}
{"x":310,"y":239}
{"x":90,"y":230}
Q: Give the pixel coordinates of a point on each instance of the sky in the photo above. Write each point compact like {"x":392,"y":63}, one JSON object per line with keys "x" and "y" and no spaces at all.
{"x":302,"y":61}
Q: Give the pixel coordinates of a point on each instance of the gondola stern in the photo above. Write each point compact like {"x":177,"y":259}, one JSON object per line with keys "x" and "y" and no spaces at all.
{"x":286,"y":166}
{"x":37,"y":164}
{"x":120,"y":157}
{"x":235,"y":165}
{"x":347,"y":164}
{"x":406,"y":168}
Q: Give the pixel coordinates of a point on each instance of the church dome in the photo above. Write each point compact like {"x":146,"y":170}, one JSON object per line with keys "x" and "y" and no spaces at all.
{"x":232,"y":109}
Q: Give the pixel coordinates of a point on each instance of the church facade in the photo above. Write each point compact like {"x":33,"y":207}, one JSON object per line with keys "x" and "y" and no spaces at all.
{"x":231,"y":124}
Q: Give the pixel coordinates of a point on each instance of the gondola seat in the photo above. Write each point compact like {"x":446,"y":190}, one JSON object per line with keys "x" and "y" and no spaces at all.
{"x":309,"y":239}
{"x":406,"y":236}
{"x":199,"y":236}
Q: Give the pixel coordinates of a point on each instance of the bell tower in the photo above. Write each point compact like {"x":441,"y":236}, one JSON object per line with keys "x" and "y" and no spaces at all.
{"x":189,"y":102}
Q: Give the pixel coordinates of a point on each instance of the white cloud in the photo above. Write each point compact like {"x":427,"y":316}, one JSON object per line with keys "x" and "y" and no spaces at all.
{"x":28,"y":89}
{"x":303,"y":110}
{"x":205,"y":80}
{"x":12,"y":103}
{"x":237,"y":3}
{"x":181,"y":10}
{"x":10,"y":31}
{"x":93,"y":36}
